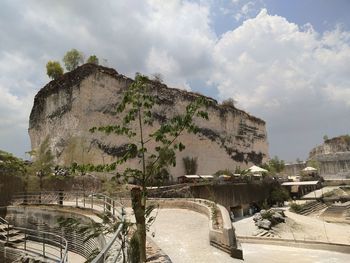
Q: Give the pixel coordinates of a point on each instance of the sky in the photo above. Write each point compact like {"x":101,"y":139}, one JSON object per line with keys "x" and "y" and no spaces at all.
{"x":287,"y":62}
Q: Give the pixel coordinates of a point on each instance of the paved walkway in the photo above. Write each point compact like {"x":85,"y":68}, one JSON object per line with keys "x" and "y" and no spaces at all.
{"x":320,"y":192}
{"x":184,"y":236}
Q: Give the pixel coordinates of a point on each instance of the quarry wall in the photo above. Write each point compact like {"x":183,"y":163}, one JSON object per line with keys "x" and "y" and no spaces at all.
{"x":66,"y":108}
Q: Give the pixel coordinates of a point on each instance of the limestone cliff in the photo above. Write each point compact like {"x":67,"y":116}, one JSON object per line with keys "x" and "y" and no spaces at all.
{"x":333,"y":145}
{"x":333,"y":157}
{"x":66,"y":108}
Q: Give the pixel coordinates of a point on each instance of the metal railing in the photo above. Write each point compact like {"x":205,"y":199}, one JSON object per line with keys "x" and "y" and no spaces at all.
{"x":51,"y":244}
{"x":95,"y":201}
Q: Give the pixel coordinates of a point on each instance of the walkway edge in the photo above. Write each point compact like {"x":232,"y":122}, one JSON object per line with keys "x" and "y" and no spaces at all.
{"x":342,"y":248}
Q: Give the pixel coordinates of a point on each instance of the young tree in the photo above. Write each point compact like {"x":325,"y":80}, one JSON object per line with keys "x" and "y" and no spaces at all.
{"x":54,"y":69}
{"x":93,"y":59}
{"x":190,"y":165}
{"x":136,"y":109}
{"x":72,"y":59}
{"x":43,"y":162}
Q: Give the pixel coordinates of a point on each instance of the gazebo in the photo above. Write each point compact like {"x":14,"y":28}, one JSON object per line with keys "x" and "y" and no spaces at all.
{"x":257,"y":171}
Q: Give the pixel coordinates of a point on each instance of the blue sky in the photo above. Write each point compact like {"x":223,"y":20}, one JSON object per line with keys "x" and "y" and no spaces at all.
{"x":286,"y":62}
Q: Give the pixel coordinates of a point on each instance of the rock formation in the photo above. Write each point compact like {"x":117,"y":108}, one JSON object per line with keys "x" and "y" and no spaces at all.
{"x":66,"y":108}
{"x":333,"y":157}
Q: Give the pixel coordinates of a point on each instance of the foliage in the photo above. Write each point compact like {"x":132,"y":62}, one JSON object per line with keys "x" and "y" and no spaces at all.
{"x":313,"y":163}
{"x":265,"y":205}
{"x":106,"y":225}
{"x":274,"y":166}
{"x":296,"y":207}
{"x":325,"y":138}
{"x":11,"y":165}
{"x":190,"y":165}
{"x":279,"y":195}
{"x":43,"y":161}
{"x":240,"y":171}
{"x":93,"y":59}
{"x":72,"y":59}
{"x":54,"y":69}
{"x":157,"y":77}
{"x":135,"y":110}
{"x":214,"y":214}
{"x":229,"y":102}
{"x":225,"y":172}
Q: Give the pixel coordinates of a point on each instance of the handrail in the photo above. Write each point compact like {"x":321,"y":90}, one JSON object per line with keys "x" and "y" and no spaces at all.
{"x":43,"y":237}
{"x":96,"y":201}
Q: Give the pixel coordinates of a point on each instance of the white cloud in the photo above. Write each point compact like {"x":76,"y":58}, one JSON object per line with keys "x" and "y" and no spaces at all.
{"x":269,"y":59}
{"x":289,"y":75}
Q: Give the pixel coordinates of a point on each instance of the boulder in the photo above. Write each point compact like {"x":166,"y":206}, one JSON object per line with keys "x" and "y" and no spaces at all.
{"x":265,"y":224}
{"x":257,"y":217}
{"x":276,"y":216}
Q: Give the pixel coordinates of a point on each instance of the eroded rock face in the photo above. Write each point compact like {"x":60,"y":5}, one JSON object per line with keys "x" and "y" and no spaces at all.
{"x":333,"y":157}
{"x":65,"y":109}
{"x":333,"y":145}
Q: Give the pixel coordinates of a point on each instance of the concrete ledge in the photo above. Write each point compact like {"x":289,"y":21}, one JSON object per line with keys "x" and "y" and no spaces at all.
{"x":342,"y":248}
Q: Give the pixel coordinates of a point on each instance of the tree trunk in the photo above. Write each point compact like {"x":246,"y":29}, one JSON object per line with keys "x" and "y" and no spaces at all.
{"x":138,"y":205}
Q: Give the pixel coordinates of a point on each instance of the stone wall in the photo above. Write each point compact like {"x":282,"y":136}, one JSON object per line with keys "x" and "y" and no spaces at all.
{"x":66,"y":108}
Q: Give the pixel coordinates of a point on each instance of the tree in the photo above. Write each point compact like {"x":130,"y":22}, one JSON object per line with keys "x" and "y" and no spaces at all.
{"x":157,"y":77}
{"x":229,"y":102}
{"x":72,"y":59}
{"x":11,"y":165}
{"x":43,"y":161}
{"x":325,"y":138}
{"x":190,"y":165}
{"x":279,"y":195}
{"x":274,"y":166}
{"x":54,"y":69}
{"x":93,"y":59}
{"x":136,"y":111}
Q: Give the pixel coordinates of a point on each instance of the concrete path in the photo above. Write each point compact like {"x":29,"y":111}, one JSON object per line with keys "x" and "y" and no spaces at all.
{"x":254,"y":253}
{"x":318,"y":193}
{"x":184,"y":236}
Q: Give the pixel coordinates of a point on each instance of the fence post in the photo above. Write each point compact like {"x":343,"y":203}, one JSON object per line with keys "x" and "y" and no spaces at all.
{"x":8,"y":232}
{"x":84,"y":198}
{"x":104,"y":204}
{"x":44,"y":245}
{"x":92,"y":201}
{"x":113,"y":208}
{"x":60,"y":197}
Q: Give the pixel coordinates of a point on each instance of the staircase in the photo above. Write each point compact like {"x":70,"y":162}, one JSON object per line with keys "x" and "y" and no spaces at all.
{"x":10,"y":236}
{"x":338,"y":211}
{"x":312,"y":208}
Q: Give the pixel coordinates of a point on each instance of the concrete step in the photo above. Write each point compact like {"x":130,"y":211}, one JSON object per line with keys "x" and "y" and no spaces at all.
{"x":11,"y":232}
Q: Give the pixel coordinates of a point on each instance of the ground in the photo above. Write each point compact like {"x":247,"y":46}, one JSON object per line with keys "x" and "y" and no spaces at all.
{"x":302,"y":228}
{"x":184,"y":236}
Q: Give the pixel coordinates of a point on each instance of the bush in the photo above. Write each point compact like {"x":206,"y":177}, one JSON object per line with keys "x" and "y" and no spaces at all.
{"x":279,"y":195}
{"x":295,"y":207}
{"x":190,"y":165}
{"x":54,"y":69}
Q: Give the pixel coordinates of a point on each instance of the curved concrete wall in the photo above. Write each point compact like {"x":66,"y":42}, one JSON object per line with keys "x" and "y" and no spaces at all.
{"x":222,"y":235}
{"x":45,"y":219}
